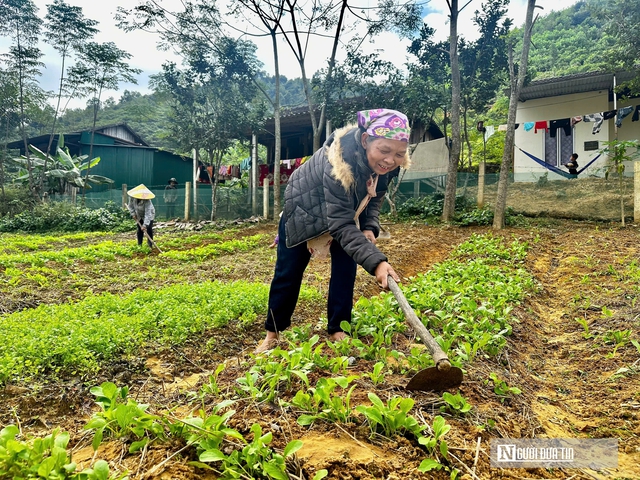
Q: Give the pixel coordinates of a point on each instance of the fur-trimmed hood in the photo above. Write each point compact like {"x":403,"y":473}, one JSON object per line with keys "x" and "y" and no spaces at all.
{"x":341,"y":169}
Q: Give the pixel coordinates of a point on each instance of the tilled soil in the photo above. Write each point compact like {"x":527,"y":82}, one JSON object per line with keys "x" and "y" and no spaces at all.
{"x":574,"y":383}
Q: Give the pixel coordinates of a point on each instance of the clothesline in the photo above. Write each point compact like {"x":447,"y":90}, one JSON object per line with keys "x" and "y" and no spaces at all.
{"x":567,"y":123}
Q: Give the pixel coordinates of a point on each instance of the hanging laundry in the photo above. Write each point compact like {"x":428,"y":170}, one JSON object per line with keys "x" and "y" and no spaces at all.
{"x":502,"y":128}
{"x":528,"y":126}
{"x":636,"y":114}
{"x":541,"y":125}
{"x":622,"y":112}
{"x":575,"y":120}
{"x":517,"y":125}
{"x":594,"y":117}
{"x":490,"y":130}
{"x":609,"y":114}
{"x":564,"y":123}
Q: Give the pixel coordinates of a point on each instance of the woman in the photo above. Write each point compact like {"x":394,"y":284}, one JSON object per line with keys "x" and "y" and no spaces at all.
{"x":332,"y":202}
{"x":143,"y":212}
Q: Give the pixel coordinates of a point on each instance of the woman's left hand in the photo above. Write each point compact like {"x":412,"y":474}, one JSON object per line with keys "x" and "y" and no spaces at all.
{"x":370,"y":236}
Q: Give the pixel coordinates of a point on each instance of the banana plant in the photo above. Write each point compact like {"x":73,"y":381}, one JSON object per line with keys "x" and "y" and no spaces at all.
{"x":63,"y":166}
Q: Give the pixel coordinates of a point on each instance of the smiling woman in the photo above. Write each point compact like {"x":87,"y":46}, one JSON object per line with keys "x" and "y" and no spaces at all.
{"x":332,"y":204}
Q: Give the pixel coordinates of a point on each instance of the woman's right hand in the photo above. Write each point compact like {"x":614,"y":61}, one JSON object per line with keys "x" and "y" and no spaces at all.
{"x":383,"y":270}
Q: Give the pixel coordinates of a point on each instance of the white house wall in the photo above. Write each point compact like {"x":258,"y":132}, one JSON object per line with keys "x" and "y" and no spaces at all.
{"x":567,"y":106}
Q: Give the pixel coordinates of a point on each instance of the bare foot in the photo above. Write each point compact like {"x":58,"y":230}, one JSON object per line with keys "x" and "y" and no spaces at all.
{"x":338,"y":336}
{"x":269,"y":343}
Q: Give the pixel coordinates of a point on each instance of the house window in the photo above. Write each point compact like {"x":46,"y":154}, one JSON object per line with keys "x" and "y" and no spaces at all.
{"x":558,"y":149}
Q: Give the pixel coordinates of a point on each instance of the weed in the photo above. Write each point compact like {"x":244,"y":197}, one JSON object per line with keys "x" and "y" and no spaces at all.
{"x":585,"y":334}
{"x":255,"y":460}
{"x":121,"y":419}
{"x":501,"y":389}
{"x":44,"y":458}
{"x":455,"y":404}
{"x":324,"y":402}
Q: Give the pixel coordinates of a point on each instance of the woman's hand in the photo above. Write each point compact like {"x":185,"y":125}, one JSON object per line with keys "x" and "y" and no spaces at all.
{"x":383,"y":270}
{"x":370,"y":236}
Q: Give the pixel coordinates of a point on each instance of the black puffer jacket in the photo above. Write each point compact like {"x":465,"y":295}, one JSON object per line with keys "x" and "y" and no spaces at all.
{"x":323,"y":194}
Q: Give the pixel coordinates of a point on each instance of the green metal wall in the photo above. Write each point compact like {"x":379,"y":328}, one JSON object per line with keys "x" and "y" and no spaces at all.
{"x":130,"y":165}
{"x":167,"y":165}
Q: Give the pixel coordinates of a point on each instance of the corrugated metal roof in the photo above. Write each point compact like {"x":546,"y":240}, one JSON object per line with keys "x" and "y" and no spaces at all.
{"x":568,"y":84}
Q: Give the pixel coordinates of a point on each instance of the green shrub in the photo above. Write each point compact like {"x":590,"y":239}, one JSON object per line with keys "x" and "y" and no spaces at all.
{"x":62,"y":216}
{"x":429,"y":206}
{"x":15,"y":200}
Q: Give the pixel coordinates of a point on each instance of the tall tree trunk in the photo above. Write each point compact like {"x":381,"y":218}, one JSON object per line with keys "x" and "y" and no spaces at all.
{"x":509,"y":141}
{"x":23,"y":131}
{"x":276,"y":124}
{"x":449,"y":207}
{"x":215,"y":162}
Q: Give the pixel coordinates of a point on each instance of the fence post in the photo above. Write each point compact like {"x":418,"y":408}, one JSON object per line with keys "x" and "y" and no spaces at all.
{"x":265,"y":198}
{"x":481,"y":184}
{"x":124,"y":195}
{"x":636,"y":191}
{"x":187,"y":200}
{"x":254,"y":174}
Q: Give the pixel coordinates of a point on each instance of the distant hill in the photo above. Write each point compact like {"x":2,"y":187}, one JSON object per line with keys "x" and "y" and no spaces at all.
{"x":147,"y":114}
{"x":568,"y":41}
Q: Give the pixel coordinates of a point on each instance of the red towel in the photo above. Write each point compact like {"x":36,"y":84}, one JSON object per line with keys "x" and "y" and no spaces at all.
{"x":541,"y":125}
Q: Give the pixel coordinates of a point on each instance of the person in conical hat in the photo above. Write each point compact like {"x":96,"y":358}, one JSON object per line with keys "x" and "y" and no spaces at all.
{"x":142,"y":210}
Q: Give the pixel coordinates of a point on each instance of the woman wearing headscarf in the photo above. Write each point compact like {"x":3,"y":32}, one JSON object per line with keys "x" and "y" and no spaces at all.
{"x":332,"y":203}
{"x":143,"y":212}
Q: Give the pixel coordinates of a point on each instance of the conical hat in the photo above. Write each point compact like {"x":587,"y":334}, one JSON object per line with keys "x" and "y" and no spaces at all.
{"x":141,"y":192}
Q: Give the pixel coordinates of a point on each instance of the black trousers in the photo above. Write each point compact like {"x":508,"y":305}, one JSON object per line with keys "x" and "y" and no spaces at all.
{"x":140,"y":233}
{"x":287,"y":280}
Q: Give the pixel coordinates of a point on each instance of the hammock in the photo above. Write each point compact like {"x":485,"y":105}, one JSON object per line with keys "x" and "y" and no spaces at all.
{"x":555,"y":169}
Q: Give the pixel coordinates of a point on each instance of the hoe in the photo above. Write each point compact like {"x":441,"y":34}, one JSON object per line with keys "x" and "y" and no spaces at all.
{"x":441,"y":377}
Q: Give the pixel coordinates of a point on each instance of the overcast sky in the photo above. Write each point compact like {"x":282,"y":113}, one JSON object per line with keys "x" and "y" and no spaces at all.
{"x":142,"y":45}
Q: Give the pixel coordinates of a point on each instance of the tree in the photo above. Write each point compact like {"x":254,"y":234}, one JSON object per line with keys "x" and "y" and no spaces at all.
{"x":19,"y":20}
{"x":9,"y":119}
{"x":622,"y":21}
{"x":618,"y":152}
{"x":66,"y":30}
{"x":270,"y":15}
{"x":516,"y":81}
{"x":484,"y":62}
{"x":213,"y":101}
{"x":101,"y":66}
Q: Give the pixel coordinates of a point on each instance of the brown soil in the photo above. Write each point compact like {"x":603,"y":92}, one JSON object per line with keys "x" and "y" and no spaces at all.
{"x":572,"y":386}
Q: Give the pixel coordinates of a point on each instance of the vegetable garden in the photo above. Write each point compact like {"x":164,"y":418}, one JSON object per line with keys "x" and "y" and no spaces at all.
{"x":121,"y":362}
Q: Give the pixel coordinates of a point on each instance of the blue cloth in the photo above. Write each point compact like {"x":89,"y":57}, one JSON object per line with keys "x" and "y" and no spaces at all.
{"x":622,"y":112}
{"x":528,"y":126}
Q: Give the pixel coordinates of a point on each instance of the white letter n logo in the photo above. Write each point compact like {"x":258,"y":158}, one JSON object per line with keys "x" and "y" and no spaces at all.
{"x":506,"y":453}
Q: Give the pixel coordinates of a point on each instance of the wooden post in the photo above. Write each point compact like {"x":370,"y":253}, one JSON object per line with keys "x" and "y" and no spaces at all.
{"x":124,"y":195}
{"x":195,"y":184}
{"x":187,"y":201}
{"x":265,"y":198}
{"x":636,"y":191}
{"x":254,"y":174}
{"x":481,"y":184}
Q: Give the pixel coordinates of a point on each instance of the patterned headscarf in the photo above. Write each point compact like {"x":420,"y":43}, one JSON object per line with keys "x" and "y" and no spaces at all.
{"x":384,"y":123}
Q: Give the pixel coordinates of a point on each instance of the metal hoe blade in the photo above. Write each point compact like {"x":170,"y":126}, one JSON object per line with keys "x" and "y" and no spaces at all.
{"x":432,"y":379}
